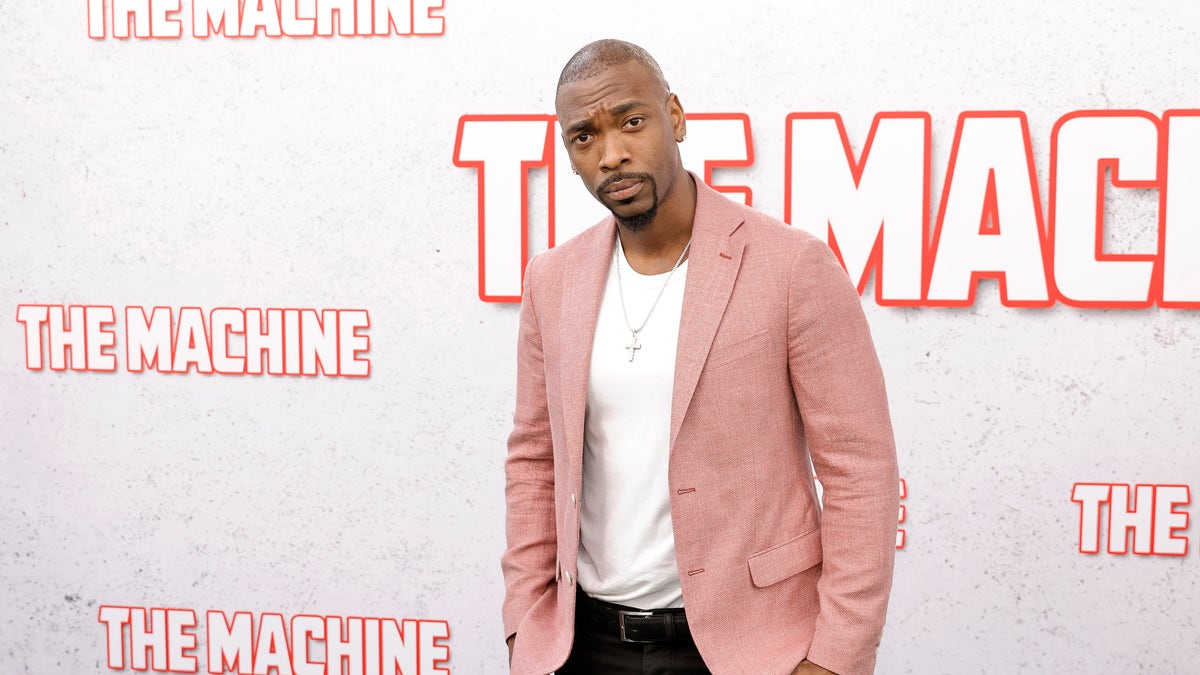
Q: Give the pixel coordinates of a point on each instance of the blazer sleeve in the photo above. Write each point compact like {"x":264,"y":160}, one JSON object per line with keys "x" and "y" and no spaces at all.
{"x":839,"y":390}
{"x":529,"y":559}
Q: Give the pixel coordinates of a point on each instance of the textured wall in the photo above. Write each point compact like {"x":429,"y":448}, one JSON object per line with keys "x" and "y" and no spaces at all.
{"x":317,"y":173}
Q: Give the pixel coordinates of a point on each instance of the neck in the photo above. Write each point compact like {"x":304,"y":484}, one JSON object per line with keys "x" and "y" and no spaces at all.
{"x":655,"y":248}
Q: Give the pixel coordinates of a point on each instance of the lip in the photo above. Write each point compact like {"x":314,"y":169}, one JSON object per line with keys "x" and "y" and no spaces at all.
{"x":624,"y":189}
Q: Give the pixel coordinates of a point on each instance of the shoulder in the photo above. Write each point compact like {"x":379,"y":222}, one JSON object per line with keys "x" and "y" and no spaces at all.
{"x":547,"y":269}
{"x":582,"y":244}
{"x":754,"y":226}
{"x":807,"y":263}
{"x":799,"y":248}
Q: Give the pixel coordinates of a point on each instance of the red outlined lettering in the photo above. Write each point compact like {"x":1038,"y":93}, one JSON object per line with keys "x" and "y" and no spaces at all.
{"x":1090,"y":496}
{"x":149,"y":19}
{"x":860,"y":213}
{"x":424,"y":21}
{"x":230,"y":645}
{"x":217,"y":16}
{"x":344,"y":647}
{"x":291,"y":342}
{"x":225,"y":321}
{"x":318,"y":341}
{"x":191,"y":347}
{"x":157,"y":19}
{"x":271,"y":646}
{"x":1177,"y":278}
{"x":990,"y":179}
{"x":148,"y":341}
{"x":431,"y":650}
{"x":292,"y":23}
{"x":398,"y":645}
{"x":351,"y":343}
{"x":267,"y":338}
{"x":114,"y":618}
{"x":99,"y":339}
{"x":1083,"y":145}
{"x":126,"y":12}
{"x":719,"y":141}
{"x":164,"y":640}
{"x":343,"y":10}
{"x":33,"y":317}
{"x":364,"y":17}
{"x":373,"y":647}
{"x":1131,"y":513}
{"x":163,"y":23}
{"x":181,"y":642}
{"x":67,"y":336}
{"x":990,"y":222}
{"x":394,"y":16}
{"x":148,"y":637}
{"x":1168,"y":521}
{"x":83,"y":331}
{"x":277,"y":341}
{"x":502,"y":149}
{"x":307,"y":628}
{"x":260,"y":14}
{"x":96,"y":28}
{"x":1147,"y":513}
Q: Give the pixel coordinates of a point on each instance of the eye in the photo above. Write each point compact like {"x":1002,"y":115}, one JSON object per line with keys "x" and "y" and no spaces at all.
{"x":581,"y":138}
{"x":634,"y":122}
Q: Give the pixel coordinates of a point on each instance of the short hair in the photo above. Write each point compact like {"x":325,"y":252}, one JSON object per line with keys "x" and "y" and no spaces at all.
{"x":594,"y":58}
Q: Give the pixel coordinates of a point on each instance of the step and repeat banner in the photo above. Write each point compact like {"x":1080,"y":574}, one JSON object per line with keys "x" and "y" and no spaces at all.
{"x":260,"y":263}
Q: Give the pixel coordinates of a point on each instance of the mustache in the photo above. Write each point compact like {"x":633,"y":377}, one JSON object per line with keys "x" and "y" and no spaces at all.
{"x":608,"y":182}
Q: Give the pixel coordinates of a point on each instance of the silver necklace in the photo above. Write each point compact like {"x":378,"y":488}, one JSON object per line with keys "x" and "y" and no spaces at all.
{"x":634,"y":345}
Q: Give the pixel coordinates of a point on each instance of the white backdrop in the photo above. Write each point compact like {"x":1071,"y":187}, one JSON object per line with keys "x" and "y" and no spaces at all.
{"x":318,"y":173}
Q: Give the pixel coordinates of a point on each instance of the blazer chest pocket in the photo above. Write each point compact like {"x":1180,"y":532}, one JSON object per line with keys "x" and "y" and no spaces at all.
{"x":722,"y":355}
{"x":784,"y":560}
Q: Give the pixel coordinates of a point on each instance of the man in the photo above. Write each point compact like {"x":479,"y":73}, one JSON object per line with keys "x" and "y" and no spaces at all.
{"x":679,"y":364}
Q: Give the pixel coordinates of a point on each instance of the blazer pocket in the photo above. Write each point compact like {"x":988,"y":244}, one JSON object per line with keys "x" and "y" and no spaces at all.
{"x":726,"y":354}
{"x":784,"y":560}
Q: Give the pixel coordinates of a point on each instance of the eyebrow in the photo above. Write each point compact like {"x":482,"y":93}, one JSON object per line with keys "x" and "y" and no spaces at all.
{"x":626,"y":107}
{"x":581,"y":125}
{"x":617,"y":110}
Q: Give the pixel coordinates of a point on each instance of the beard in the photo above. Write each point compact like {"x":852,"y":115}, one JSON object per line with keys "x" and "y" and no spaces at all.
{"x":638,"y":222}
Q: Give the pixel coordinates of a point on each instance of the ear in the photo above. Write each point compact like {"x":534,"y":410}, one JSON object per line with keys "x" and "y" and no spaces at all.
{"x":678,"y":120}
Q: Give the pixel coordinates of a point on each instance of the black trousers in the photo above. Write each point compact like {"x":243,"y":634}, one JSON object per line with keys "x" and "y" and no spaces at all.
{"x":601,"y":652}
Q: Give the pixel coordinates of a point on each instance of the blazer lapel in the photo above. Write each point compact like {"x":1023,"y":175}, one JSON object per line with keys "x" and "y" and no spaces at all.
{"x":713,"y":264}
{"x":583,"y":289}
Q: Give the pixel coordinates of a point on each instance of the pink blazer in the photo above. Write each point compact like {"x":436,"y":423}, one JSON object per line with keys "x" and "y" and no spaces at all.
{"x":775,"y":367}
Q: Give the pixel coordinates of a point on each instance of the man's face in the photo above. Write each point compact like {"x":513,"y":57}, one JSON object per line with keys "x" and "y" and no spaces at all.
{"x":620,"y":128}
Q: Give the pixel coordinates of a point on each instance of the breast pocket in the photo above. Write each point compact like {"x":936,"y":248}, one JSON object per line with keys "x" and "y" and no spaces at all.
{"x":723,"y":355}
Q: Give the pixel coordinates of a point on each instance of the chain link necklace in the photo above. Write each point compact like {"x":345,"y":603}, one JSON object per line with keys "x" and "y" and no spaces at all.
{"x":634,"y":345}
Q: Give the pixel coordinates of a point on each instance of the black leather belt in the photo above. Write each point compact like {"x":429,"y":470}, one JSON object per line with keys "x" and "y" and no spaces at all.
{"x":630,"y":624}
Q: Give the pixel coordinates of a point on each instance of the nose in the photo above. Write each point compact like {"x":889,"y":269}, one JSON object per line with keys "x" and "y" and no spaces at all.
{"x":615,"y":152}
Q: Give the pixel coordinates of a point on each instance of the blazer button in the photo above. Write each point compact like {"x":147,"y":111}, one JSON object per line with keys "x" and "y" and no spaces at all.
{"x":572,"y":499}
{"x":570,"y":581}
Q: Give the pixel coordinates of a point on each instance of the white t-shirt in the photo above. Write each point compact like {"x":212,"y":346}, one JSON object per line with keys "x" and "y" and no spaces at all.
{"x":627,"y":546}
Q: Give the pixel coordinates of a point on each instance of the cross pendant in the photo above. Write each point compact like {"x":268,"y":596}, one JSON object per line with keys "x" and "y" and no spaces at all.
{"x":632,"y":347}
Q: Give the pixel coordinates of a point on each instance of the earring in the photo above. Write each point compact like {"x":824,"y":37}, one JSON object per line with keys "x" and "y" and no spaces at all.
{"x":681,"y":138}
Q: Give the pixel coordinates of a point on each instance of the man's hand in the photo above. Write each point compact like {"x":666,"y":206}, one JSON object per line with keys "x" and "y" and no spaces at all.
{"x":511,"y":640}
{"x":807,"y":667}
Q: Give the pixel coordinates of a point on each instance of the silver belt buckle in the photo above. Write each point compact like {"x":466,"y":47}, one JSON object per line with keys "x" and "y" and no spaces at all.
{"x":621,"y":622}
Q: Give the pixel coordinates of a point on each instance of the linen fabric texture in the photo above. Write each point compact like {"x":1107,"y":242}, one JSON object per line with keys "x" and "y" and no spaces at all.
{"x":775,"y":365}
